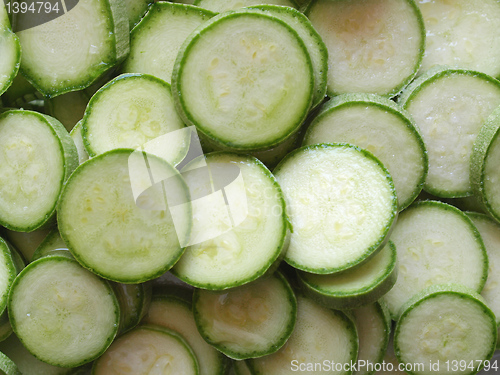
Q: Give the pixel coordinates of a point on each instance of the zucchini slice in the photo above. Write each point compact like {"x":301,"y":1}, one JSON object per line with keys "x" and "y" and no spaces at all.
{"x":314,"y":44}
{"x":10,"y":50}
{"x":72,"y":51}
{"x":374,"y":46}
{"x":383,"y":128}
{"x":320,"y":336}
{"x":245,"y":79}
{"x":136,"y":9}
{"x":28,"y":364}
{"x":37,"y":155}
{"x":76,"y":135}
{"x":7,"y":367}
{"x":436,"y":244}
{"x":250,"y":321}
{"x":356,"y":286}
{"x":220,"y":6}
{"x":175,"y":313}
{"x":10,"y":265}
{"x":490,"y":233}
{"x":341,"y":203}
{"x":155,"y":42}
{"x":129,"y":112}
{"x":111,"y":233}
{"x":449,"y":106}
{"x":145,"y":350}
{"x":236,"y":245}
{"x":484,"y":174}
{"x":63,"y":314}
{"x":373,"y":323}
{"x":462,"y":33}
{"x":443,"y":324}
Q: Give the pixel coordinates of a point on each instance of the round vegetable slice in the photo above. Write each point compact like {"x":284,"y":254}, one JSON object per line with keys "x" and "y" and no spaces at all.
{"x":462,"y":33}
{"x":155,"y":42}
{"x":374,"y":46}
{"x":62,"y":313}
{"x":249,"y":321}
{"x":320,"y":335}
{"x":37,"y":155}
{"x":245,"y":79}
{"x":445,"y":323}
{"x":383,"y":128}
{"x":132,"y":111}
{"x":436,"y":243}
{"x":244,"y":238}
{"x":175,"y":313}
{"x":114,"y":235}
{"x":449,"y":106}
{"x":146,"y":349}
{"x":341,"y":203}
{"x":356,"y":286}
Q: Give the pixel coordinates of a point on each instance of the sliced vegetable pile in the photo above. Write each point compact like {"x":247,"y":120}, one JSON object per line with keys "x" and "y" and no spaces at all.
{"x":218,"y":187}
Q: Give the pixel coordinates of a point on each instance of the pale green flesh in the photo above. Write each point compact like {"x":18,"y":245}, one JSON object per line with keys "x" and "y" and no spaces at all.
{"x":146,"y":351}
{"x":242,"y":252}
{"x":320,"y":335}
{"x":314,"y":44}
{"x":7,"y":367}
{"x":491,"y":176}
{"x":436,"y":244}
{"x":31,"y":169}
{"x":490,"y":233}
{"x":373,"y":331}
{"x":26,"y":362}
{"x":76,"y":135}
{"x":220,"y":6}
{"x":155,"y":43}
{"x":71,"y":51}
{"x":341,"y":203}
{"x":386,"y":134}
{"x":374,"y":46}
{"x":68,"y":108}
{"x":10,"y":52}
{"x":135,"y":10}
{"x":462,"y":33}
{"x":108,"y":232}
{"x":248,"y":321}
{"x":245,"y":80}
{"x":176,"y":315}
{"x":449,"y":111}
{"x":356,"y":282}
{"x":130,"y":112}
{"x":62,"y":313}
{"x":445,"y":327}
{"x":7,"y":273}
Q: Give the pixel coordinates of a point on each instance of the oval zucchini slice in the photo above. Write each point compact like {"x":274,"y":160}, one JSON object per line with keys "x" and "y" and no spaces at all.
{"x":373,"y":323}
{"x":111,"y":233}
{"x":246,"y":250}
{"x":321,"y":335}
{"x":146,"y":349}
{"x":63,"y":314}
{"x":356,"y":286}
{"x":462,"y":33}
{"x":155,"y":42}
{"x":250,"y":321}
{"x":341,"y":203}
{"x":175,"y":313}
{"x":129,"y":112}
{"x":90,"y":40}
{"x":245,"y":79}
{"x":449,"y":107}
{"x":380,"y":126}
{"x":37,"y":155}
{"x":374,"y":46}
{"x":436,"y":244}
{"x":10,"y":50}
{"x":445,"y":323}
